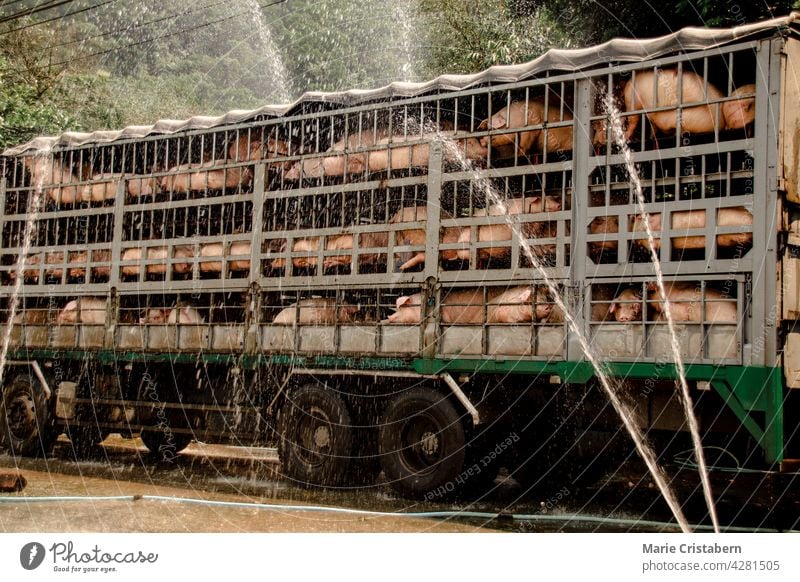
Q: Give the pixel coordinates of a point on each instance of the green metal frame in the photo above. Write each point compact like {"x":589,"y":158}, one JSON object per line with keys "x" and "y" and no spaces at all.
{"x":754,"y":394}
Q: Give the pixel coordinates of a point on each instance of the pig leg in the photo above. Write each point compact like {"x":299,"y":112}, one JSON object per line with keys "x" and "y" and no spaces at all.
{"x":417,"y":259}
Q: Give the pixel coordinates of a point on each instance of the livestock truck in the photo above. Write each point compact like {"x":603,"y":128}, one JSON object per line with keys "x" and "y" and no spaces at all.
{"x":374,"y":280}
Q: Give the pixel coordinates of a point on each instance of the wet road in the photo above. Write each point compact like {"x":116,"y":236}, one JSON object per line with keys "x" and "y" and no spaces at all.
{"x":216,"y":488}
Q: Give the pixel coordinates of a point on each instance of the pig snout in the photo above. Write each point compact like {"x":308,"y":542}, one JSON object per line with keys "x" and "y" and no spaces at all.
{"x":627,"y":307}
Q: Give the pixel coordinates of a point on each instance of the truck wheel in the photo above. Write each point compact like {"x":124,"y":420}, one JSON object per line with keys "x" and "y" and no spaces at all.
{"x":164,"y":443}
{"x":26,"y":422}
{"x":422,"y":444}
{"x":315,"y":436}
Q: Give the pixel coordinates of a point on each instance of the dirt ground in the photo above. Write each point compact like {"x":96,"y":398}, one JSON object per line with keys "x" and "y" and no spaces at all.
{"x":248,"y":494}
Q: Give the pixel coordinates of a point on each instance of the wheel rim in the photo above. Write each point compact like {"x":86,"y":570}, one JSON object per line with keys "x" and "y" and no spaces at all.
{"x":316,"y":434}
{"x":21,"y":415}
{"x":421,"y":444}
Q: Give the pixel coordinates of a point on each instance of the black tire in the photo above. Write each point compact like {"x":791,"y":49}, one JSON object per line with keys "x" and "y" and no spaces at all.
{"x":164,"y":443}
{"x":315,"y":437}
{"x":27,"y":423}
{"x":422,"y":444}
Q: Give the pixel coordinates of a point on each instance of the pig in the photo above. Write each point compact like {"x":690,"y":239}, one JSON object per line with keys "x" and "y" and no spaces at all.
{"x":502,"y":231}
{"x":316,"y":311}
{"x":104,"y":187}
{"x":180,"y":252}
{"x":155,"y":316}
{"x":51,"y":260}
{"x":388,"y":155}
{"x":32,"y":317}
{"x":207,"y":176}
{"x":28,"y":273}
{"x":521,"y":114}
{"x":341,"y":160}
{"x":468,"y":306}
{"x":627,"y":306}
{"x":367,"y":240}
{"x":515,"y":305}
{"x":416,"y":236}
{"x":133,"y":254}
{"x":456,"y":148}
{"x":408,"y":310}
{"x":154,"y":253}
{"x":184,"y":313}
{"x":411,"y":237}
{"x":88,"y":310}
{"x":689,"y":219}
{"x":338,"y":243}
{"x":216,"y":249}
{"x":81,"y":258}
{"x":741,"y":111}
{"x":638,"y":94}
{"x":46,"y":171}
{"x":603,"y":225}
{"x":301,"y":245}
{"x":249,"y":148}
{"x":241,"y":249}
{"x":685,"y":303}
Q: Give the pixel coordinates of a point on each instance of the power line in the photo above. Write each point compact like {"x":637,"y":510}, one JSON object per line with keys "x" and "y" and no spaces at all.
{"x":134,"y":27}
{"x":78,"y":11}
{"x":163,"y":36}
{"x":23,"y":13}
{"x":10,"y":3}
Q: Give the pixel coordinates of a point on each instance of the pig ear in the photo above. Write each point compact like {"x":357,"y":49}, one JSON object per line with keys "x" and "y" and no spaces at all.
{"x":484,"y":124}
{"x":402,"y":300}
{"x":613,"y":308}
{"x":499,"y":121}
{"x":525,"y":295}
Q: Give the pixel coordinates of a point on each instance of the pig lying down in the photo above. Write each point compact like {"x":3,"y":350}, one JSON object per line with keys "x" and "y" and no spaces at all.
{"x":690,"y":219}
{"x":86,"y":310}
{"x":54,"y":265}
{"x":686,"y":304}
{"x":502,"y":231}
{"x":386,"y":153}
{"x":468,"y":306}
{"x":316,"y":311}
{"x":182,"y":313}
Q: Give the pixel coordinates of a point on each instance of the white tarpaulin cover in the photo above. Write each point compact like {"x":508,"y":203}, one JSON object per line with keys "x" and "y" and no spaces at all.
{"x":616,"y":50}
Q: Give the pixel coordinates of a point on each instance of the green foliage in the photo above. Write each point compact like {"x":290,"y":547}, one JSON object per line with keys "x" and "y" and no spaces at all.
{"x":476,"y":34}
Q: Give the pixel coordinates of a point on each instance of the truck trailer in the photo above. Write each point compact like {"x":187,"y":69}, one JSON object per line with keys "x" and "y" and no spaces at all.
{"x":402,"y":279}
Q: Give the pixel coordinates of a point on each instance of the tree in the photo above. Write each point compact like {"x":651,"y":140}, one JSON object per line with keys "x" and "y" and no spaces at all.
{"x":476,"y":34}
